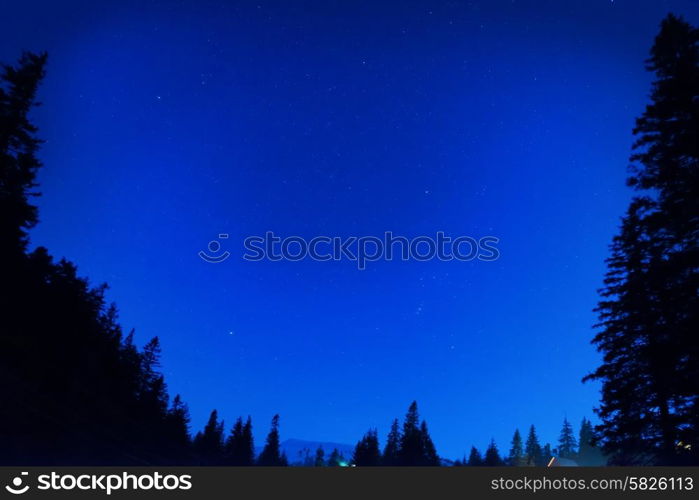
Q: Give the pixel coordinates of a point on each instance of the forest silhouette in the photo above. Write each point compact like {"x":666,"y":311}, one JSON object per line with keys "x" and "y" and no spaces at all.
{"x":76,"y":390}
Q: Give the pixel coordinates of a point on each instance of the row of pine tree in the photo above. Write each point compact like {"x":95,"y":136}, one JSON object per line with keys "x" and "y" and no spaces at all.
{"x":582,"y":451}
{"x":406,"y":445}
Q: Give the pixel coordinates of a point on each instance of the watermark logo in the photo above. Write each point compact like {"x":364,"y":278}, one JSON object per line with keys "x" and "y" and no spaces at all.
{"x":103,"y":483}
{"x":214,"y":247}
{"x":16,"y":487}
{"x":361,"y":249}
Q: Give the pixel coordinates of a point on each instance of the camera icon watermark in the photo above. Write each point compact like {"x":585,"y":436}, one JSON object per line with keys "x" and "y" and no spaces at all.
{"x":214,"y":247}
{"x":15,"y":487}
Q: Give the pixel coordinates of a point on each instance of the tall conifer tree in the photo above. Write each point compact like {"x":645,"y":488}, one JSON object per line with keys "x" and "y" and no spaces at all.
{"x":532,"y":448}
{"x":366,"y":453}
{"x":649,"y":311}
{"x":208,"y":444}
{"x":516,"y":455}
{"x":566,"y":441}
{"x":474,"y":458}
{"x":271,"y":454}
{"x":492,"y":455}
{"x":390,"y":451}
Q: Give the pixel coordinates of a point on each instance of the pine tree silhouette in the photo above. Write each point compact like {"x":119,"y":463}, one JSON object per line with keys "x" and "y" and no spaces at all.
{"x":474,"y":458}
{"x":366,"y":452}
{"x":74,"y":389}
{"x":177,"y":435}
{"x":430,"y":452}
{"x":588,"y":452}
{"x":586,"y":436}
{"x":390,"y":452}
{"x":320,"y":457}
{"x":532,"y":448}
{"x":416,"y":447}
{"x":492,"y":455}
{"x":649,"y":310}
{"x":247,"y":452}
{"x":546,"y":454}
{"x":335,"y":459}
{"x":516,"y":456}
{"x":18,"y":148}
{"x":271,"y":455}
{"x":208,"y":444}
{"x":411,"y":448}
{"x":240,"y":448}
{"x":566,"y":441}
{"x":233,"y":441}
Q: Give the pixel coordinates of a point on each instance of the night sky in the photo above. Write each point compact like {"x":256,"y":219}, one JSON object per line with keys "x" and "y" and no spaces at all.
{"x":167,"y":123}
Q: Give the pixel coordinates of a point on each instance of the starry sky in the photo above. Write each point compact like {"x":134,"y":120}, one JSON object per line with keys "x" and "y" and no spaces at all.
{"x":167,"y":123}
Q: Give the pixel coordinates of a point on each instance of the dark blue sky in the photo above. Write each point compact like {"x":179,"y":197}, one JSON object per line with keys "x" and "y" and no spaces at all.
{"x":168,"y":123}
